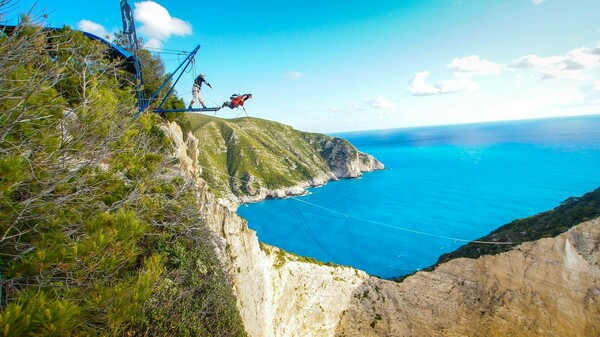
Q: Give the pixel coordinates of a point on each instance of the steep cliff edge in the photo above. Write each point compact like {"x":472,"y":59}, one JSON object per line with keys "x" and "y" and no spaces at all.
{"x":273,"y":288}
{"x":250,"y":159}
{"x":544,"y":288}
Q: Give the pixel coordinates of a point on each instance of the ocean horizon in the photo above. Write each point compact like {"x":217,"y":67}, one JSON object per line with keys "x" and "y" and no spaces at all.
{"x":442,"y":187}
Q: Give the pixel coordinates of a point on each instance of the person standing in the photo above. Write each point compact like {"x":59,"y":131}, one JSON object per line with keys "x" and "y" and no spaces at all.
{"x":196,"y":95}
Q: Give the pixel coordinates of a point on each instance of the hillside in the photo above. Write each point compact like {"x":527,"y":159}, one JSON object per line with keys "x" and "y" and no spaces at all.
{"x":544,"y":288}
{"x":250,"y":159}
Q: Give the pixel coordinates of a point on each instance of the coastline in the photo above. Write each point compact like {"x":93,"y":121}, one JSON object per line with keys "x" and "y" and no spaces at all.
{"x":368,"y":163}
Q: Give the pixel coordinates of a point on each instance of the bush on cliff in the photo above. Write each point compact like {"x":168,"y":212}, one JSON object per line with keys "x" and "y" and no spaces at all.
{"x":100,"y":233}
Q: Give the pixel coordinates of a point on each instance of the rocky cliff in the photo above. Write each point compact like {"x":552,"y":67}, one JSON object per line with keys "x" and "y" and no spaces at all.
{"x":250,"y":159}
{"x":544,"y":288}
{"x":547,"y":287}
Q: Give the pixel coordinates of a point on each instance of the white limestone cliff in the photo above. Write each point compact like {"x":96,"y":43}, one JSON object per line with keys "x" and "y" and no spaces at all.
{"x":544,"y":288}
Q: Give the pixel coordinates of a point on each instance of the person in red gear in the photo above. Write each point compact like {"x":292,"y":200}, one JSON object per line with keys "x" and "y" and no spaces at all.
{"x":236,"y":101}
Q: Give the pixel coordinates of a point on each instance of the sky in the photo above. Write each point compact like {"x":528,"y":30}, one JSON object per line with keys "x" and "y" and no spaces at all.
{"x":336,"y":66}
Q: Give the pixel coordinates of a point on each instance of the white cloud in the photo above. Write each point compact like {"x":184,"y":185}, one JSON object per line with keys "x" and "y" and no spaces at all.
{"x":537,"y":2}
{"x":419,"y":86}
{"x":570,"y":66}
{"x":582,"y":58}
{"x":380,"y":102}
{"x":534,"y":61}
{"x":94,"y":28}
{"x":157,"y":23}
{"x":596,"y":51}
{"x":473,"y":65}
{"x":355,"y":107}
{"x":292,"y":75}
{"x":153,"y":43}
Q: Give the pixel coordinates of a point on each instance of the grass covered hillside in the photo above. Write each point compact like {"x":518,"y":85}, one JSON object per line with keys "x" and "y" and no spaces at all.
{"x":100,"y":231}
{"x":245,"y":155}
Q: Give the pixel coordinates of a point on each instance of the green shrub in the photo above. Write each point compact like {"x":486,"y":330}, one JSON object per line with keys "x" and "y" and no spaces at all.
{"x":91,"y":226}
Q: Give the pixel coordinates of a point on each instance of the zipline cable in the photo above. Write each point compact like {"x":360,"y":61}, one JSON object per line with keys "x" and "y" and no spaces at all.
{"x":164,"y":50}
{"x":381,"y":224}
{"x":348,"y":217}
{"x":310,"y":232}
{"x":349,"y":240}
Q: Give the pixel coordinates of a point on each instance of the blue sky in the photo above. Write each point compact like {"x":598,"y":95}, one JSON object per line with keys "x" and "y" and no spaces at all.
{"x":333,"y":66}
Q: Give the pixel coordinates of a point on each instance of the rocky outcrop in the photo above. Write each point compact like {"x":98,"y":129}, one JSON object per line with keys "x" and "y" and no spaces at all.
{"x":278,"y":294}
{"x":547,"y":287}
{"x":368,"y":163}
{"x":186,"y":149}
{"x":344,"y":160}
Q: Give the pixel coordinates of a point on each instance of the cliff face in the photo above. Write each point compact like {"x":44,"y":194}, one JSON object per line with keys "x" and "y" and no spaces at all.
{"x":274,"y":289}
{"x":547,"y":287}
{"x":544,"y":288}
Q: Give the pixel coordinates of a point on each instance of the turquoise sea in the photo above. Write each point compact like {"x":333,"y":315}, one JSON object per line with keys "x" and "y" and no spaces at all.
{"x":442,"y":185}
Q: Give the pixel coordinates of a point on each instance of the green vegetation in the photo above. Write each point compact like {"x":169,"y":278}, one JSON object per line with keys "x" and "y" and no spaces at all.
{"x":569,"y":213}
{"x":243,"y":155}
{"x":282,"y":256}
{"x":279,"y":259}
{"x":100,"y":233}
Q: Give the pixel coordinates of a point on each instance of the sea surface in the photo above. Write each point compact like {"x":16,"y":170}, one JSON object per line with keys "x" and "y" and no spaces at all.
{"x":442,"y":186}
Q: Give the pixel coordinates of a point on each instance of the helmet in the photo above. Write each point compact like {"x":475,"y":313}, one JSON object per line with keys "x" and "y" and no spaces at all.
{"x":201,"y":75}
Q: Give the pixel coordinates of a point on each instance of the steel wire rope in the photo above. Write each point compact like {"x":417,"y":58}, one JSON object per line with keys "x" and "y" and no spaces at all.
{"x":407,"y":229}
{"x":165,"y":50}
{"x":537,"y":259}
{"x":381,"y":223}
{"x":311,"y":234}
{"x":395,"y":227}
{"x":349,"y":240}
{"x":388,"y":225}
